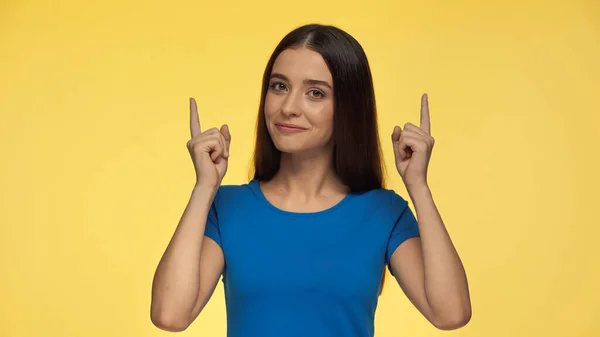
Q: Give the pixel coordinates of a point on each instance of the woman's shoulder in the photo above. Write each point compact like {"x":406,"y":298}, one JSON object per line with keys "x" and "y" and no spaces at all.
{"x":381,"y":194}
{"x":383,"y":197}
{"x":235,"y":192}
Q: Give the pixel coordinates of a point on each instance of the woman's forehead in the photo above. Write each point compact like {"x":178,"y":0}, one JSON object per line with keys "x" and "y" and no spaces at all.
{"x":301,"y":64}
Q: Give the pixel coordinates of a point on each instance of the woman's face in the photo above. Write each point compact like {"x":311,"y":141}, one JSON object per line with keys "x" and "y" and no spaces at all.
{"x":299,"y":103}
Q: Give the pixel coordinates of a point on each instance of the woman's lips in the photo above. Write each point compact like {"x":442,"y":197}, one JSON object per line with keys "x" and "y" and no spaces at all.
{"x":289,"y":128}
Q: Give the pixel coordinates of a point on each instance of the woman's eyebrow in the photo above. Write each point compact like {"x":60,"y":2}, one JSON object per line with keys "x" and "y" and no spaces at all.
{"x":306,"y":81}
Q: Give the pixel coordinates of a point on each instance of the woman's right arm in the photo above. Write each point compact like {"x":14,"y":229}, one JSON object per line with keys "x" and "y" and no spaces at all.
{"x":192,"y":264}
{"x":190,"y":268}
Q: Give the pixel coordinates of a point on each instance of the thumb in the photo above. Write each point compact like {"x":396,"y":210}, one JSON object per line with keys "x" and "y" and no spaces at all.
{"x":399,"y":151}
{"x":225,"y":132}
{"x":396,"y":134}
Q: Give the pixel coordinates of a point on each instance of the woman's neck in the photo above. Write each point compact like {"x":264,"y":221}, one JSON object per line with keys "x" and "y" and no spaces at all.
{"x":308,"y":175}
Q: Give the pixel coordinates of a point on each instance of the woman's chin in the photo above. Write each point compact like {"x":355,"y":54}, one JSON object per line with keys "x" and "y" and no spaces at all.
{"x":300,"y":150}
{"x":287,"y":149}
{"x":298,"y":146}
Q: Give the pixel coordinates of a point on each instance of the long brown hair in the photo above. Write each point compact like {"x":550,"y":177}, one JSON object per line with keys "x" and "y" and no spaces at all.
{"x":357,"y":151}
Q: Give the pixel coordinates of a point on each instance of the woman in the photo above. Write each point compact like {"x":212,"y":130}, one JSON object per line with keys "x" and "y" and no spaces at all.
{"x":302,"y":247}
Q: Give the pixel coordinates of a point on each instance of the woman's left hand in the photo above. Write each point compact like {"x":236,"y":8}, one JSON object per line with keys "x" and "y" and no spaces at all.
{"x":412,"y":148}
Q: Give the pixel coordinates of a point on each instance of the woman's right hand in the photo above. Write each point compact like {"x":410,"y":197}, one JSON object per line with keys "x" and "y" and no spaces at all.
{"x":209,"y":151}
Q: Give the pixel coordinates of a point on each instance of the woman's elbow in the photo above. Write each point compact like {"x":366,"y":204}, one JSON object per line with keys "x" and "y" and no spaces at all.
{"x":452,"y":321}
{"x":167,"y":322}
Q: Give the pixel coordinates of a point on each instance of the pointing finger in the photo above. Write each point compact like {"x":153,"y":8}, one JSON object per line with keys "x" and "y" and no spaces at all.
{"x":194,"y":119}
{"x":425,"y":121}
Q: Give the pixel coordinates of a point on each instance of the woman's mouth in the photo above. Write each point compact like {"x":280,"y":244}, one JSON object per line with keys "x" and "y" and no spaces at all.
{"x":289,"y":128}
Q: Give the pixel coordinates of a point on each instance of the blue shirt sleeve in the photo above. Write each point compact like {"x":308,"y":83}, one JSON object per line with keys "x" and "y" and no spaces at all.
{"x":405,"y":227}
{"x":212,"y":224}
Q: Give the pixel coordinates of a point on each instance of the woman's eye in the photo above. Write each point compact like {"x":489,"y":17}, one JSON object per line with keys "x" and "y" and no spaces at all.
{"x":316,"y":94}
{"x":278,"y":86}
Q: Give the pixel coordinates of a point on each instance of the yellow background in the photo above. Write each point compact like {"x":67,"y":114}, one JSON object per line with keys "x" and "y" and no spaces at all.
{"x":95,"y":173}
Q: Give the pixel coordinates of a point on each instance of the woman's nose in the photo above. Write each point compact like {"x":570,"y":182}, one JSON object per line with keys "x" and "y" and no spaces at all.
{"x":291,"y":105}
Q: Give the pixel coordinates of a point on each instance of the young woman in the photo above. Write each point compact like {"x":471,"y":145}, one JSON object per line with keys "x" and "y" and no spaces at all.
{"x":303,"y":246}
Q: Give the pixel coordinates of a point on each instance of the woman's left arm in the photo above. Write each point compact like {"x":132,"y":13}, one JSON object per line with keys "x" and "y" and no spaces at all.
{"x":428,"y":268}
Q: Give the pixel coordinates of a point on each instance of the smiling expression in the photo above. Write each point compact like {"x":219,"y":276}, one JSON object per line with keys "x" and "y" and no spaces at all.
{"x":299,"y":103}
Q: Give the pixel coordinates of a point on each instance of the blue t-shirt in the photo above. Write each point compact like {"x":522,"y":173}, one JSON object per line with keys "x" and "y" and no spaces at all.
{"x":305,"y":274}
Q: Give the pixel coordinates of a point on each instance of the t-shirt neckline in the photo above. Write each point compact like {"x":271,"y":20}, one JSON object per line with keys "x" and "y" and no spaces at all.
{"x":255,"y":186}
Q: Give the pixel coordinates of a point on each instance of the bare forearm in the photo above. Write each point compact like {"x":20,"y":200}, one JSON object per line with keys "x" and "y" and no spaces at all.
{"x":446,"y":285}
{"x":177,"y":278}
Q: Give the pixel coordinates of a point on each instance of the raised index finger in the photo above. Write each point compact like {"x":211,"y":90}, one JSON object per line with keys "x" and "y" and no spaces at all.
{"x":425,"y":122}
{"x":194,"y":119}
